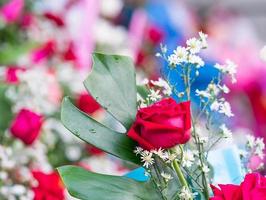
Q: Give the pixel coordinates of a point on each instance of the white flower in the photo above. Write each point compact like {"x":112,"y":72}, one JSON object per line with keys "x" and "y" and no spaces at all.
{"x":185,"y":194}
{"x":225,"y":109}
{"x":263,"y":53}
{"x":224,"y":88}
{"x":146,"y":158}
{"x":163,"y":84}
{"x":213,"y":89}
{"x":154,"y":95}
{"x":173,"y":60}
{"x":166,"y":176}
{"x":196,"y":60}
{"x":145,"y":81}
{"x":215,"y":106}
{"x":250,"y":141}
{"x":260,"y":143}
{"x":203,"y":140}
{"x":228,"y":68}
{"x":181,"y":54}
{"x":203,"y":93}
{"x":203,"y":39}
{"x":205,"y":169}
{"x":160,"y":152}
{"x":188,"y":158}
{"x":138,"y":150}
{"x":193,"y":45}
{"x":226,"y":132}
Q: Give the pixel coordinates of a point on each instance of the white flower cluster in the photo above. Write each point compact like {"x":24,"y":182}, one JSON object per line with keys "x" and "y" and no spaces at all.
{"x":188,"y":54}
{"x":16,"y":163}
{"x":13,"y":187}
{"x":185,"y":194}
{"x":34,"y":91}
{"x":218,"y":104}
{"x":159,"y":89}
{"x":256,"y":145}
{"x":229,"y":68}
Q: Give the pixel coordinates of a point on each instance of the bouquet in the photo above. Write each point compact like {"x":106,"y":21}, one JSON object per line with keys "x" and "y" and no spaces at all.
{"x":159,"y":129}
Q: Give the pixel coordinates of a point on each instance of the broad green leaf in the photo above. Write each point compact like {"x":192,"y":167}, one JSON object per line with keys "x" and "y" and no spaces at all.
{"x":87,"y":185}
{"x":5,"y":110}
{"x":112,"y":83}
{"x":95,"y":133}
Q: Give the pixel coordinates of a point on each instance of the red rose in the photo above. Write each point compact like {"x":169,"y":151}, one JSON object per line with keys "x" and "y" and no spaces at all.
{"x":252,"y":188}
{"x":26,"y":126}
{"x":87,"y":104}
{"x":49,"y":186}
{"x":163,"y":124}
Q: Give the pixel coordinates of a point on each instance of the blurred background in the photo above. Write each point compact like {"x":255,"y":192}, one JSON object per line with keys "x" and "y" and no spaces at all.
{"x":45,"y":54}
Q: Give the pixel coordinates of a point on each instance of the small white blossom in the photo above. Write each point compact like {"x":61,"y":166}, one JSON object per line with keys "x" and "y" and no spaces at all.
{"x":205,"y":169}
{"x":203,"y":39}
{"x":203,"y":93}
{"x":185,"y":194}
{"x":181,"y":54}
{"x":203,"y":140}
{"x":145,"y":81}
{"x":193,"y":59}
{"x":146,"y":158}
{"x":215,"y":106}
{"x":213,"y":89}
{"x":226,"y":132}
{"x":250,"y":141}
{"x":225,"y":109}
{"x":188,"y":158}
{"x":155,"y":95}
{"x":193,"y":45}
{"x":138,"y":150}
{"x":173,"y":60}
{"x":225,"y":89}
{"x":166,"y":176}
{"x":228,"y":68}
{"x":163,"y":84}
{"x":260,"y":143}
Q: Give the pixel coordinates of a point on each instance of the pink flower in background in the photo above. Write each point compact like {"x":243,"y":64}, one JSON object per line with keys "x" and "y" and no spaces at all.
{"x":43,"y":52}
{"x":12,"y":10}
{"x":26,"y":126}
{"x":11,"y":74}
{"x":255,"y":163}
{"x":87,"y":103}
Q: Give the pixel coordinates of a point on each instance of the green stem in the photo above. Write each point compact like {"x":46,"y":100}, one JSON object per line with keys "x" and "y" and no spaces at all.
{"x":180,"y":174}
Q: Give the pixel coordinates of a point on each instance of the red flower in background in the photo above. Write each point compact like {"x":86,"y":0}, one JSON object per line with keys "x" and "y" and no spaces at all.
{"x":49,"y":186}
{"x":87,"y":103}
{"x":11,"y":74}
{"x":155,"y":35}
{"x":163,"y":124}
{"x":54,"y":18}
{"x":26,"y":126}
{"x":252,"y":188}
{"x":12,"y":10}
{"x":44,"y":52}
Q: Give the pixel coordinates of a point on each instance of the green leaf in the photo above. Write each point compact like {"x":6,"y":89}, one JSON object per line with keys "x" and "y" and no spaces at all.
{"x":86,"y":185}
{"x":5,"y":107}
{"x":112,"y":83}
{"x":95,"y":133}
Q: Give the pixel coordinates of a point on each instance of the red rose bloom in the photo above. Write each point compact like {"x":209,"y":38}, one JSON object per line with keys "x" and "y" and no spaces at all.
{"x":163,"y":124}
{"x":26,"y":126}
{"x":49,"y":187}
{"x":87,"y":104}
{"x":252,"y":188}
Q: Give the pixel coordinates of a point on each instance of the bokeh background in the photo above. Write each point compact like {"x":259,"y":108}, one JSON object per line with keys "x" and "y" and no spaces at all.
{"x":45,"y":54}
